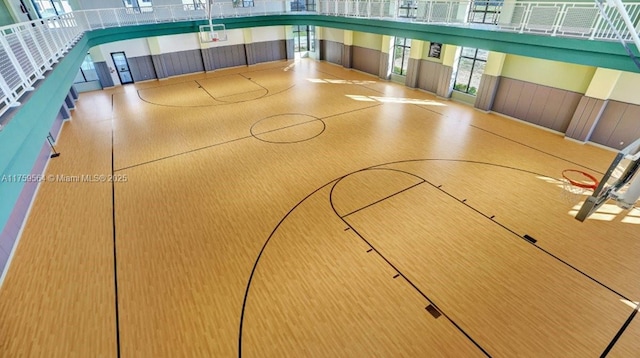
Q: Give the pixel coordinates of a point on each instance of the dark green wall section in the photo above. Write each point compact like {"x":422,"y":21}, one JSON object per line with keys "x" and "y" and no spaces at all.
{"x":5,"y":15}
{"x":23,"y":137}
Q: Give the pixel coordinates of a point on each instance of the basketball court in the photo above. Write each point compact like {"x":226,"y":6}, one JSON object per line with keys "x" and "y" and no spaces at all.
{"x":300,"y":209}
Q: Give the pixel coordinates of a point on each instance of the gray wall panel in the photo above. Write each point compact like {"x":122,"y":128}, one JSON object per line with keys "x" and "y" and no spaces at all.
{"x":487,"y":92}
{"x":347,"y":56}
{"x":444,"y":82}
{"x":383,"y":70}
{"x":501,"y":95}
{"x":524,"y":100}
{"x":607,"y":124}
{"x":413,"y":71}
{"x":142,"y":68}
{"x":159,"y":66}
{"x":429,"y":75}
{"x":331,"y":51}
{"x":546,"y":106}
{"x":512,"y":98}
{"x":538,"y":102}
{"x":102,"y":70}
{"x":618,"y":125}
{"x":628,"y":129}
{"x":365,"y":60}
{"x":552,"y":107}
{"x":566,"y":110}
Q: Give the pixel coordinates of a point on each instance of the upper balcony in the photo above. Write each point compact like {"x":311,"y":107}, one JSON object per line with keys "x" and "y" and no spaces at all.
{"x":28,"y":50}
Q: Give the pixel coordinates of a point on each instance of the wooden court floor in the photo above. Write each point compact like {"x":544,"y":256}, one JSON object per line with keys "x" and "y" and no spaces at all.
{"x":299,"y":209}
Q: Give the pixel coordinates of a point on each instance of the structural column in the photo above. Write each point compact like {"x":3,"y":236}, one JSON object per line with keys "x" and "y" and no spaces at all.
{"x":413,"y":65}
{"x":490,"y":81}
{"x":347,"y":51}
{"x":445,"y":77}
{"x":592,"y":104}
{"x":386,"y":50}
{"x":157,"y":58}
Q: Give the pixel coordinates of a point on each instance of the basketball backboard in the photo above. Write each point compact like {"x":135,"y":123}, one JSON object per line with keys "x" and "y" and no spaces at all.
{"x":212,"y":33}
{"x":620,"y":183}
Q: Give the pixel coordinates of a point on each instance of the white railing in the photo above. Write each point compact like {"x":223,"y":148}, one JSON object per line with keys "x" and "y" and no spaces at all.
{"x":28,"y":50}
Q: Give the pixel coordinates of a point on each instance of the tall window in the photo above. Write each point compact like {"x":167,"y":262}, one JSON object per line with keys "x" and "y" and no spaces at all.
{"x":138,"y":5}
{"x":470,"y":69}
{"x":402,"y":48}
{"x":48,"y":8}
{"x":485,"y":11}
{"x":193,"y":4}
{"x":87,"y":71}
{"x":303,"y":5}
{"x":243,"y":3}
{"x":304,"y":37}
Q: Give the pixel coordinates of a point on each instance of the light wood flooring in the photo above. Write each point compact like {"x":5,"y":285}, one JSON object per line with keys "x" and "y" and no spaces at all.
{"x":299,"y":209}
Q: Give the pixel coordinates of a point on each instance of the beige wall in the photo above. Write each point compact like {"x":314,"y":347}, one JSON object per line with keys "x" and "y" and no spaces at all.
{"x":366,"y":40}
{"x":562,"y":75}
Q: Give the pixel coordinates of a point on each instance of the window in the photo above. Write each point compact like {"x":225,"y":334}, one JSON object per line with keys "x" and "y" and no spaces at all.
{"x":402,"y":48}
{"x":470,"y":69}
{"x":138,"y":5}
{"x":193,"y":5}
{"x":48,"y":8}
{"x":243,"y":3}
{"x":485,"y":11}
{"x":304,"y":38}
{"x":303,"y":5}
{"x":87,"y":71}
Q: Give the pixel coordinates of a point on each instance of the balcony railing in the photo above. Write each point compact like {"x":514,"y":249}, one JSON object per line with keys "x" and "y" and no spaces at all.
{"x":28,"y":50}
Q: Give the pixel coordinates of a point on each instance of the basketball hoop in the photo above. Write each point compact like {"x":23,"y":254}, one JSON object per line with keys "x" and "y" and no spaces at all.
{"x":577,"y":184}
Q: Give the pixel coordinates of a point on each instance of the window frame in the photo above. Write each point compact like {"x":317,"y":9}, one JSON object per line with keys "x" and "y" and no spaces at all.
{"x":406,"y":49}
{"x":474,"y":60}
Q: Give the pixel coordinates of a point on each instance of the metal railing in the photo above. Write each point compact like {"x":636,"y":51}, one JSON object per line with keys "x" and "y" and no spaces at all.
{"x":28,"y":50}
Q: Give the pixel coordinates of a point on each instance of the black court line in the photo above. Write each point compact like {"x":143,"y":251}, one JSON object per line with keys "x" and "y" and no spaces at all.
{"x":255,"y":264}
{"x":620,"y":332}
{"x":113,"y":221}
{"x":492,"y":218}
{"x":183,"y":153}
{"x":351,"y":111}
{"x":422,"y":181}
{"x":212,"y":77}
{"x":350,"y":228}
{"x":430,"y":300}
{"x":199,"y":86}
{"x":223,"y":103}
{"x":536,"y":149}
{"x":315,"y":119}
{"x":226,"y":142}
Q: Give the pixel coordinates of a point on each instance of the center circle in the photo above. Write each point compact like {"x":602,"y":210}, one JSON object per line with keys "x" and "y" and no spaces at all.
{"x":287,"y":128}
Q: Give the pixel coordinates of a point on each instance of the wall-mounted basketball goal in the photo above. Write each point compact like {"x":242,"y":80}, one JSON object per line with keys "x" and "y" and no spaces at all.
{"x":212,"y":33}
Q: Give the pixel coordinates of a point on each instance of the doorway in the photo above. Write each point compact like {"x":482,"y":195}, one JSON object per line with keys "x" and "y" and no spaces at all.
{"x":122,"y":67}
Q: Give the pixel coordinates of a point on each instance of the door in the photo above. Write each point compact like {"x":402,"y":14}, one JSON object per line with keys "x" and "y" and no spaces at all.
{"x":122,"y":67}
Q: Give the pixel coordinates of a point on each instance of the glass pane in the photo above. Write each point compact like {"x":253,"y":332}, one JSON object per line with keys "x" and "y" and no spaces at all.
{"x":79,"y":77}
{"x":482,"y":54}
{"x":45,"y":8}
{"x":468,"y":52}
{"x":464,"y":74}
{"x":478,"y":70}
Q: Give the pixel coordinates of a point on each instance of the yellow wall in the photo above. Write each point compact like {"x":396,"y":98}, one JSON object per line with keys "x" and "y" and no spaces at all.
{"x":335,"y":35}
{"x":603,"y":83}
{"x":555,"y":74}
{"x":495,"y":62}
{"x":366,"y":40}
{"x":626,"y":89}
